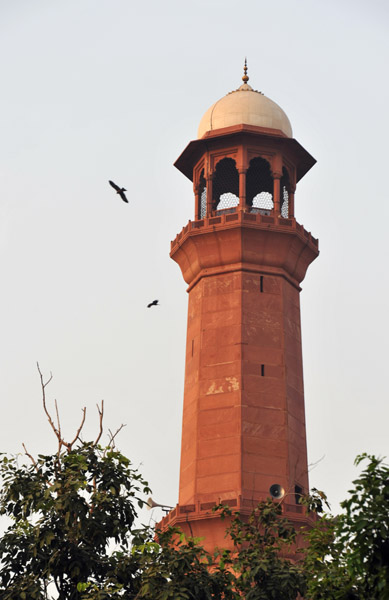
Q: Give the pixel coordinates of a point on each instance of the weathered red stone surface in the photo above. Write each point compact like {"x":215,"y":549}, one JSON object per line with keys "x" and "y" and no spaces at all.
{"x":243,"y":419}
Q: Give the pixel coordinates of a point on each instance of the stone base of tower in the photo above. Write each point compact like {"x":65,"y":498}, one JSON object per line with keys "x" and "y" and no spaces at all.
{"x":202,"y":522}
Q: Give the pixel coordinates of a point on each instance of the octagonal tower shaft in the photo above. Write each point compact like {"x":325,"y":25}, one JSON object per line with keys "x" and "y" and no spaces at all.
{"x":243,"y":420}
{"x":243,"y":417}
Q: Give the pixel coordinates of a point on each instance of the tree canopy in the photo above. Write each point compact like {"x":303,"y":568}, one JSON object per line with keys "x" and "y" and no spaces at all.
{"x":73,"y":535}
{"x":66,"y":509}
{"x":348,"y":555}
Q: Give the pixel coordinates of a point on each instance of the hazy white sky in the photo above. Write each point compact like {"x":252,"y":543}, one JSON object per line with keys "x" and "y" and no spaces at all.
{"x":93,"y":90}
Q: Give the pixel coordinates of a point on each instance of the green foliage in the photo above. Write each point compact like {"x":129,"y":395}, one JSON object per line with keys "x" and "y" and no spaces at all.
{"x":71,"y":537}
{"x":66,"y":509}
{"x":348,"y":556}
{"x":179,"y":568}
{"x":261,"y":542}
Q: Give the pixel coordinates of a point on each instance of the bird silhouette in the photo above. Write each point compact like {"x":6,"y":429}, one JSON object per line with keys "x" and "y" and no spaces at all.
{"x":119,"y":190}
{"x":153,"y":303}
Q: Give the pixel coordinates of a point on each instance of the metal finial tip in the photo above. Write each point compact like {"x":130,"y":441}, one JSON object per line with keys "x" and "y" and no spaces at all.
{"x":245,"y":77}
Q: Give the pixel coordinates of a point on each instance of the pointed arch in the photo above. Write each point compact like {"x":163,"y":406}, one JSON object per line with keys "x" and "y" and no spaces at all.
{"x":225,"y":188}
{"x":259,"y":186}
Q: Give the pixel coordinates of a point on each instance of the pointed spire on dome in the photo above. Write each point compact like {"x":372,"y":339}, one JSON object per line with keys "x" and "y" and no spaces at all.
{"x":245,"y":87}
{"x":245,"y":77}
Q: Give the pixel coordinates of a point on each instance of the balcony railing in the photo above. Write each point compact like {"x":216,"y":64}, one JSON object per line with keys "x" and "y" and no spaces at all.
{"x":233,"y":216}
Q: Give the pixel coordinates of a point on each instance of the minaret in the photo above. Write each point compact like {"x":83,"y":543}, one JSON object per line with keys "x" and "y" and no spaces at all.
{"x":243,"y":257}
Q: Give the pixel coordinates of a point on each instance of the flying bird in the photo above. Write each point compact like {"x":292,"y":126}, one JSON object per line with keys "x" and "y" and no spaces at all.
{"x":119,"y":190}
{"x":153,"y":303}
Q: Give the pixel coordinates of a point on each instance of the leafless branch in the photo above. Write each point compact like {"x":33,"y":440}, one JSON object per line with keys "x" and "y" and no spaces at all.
{"x":57,"y":427}
{"x":113,"y":435}
{"x":58,"y":421}
{"x":69,"y":445}
{"x":190,"y":526}
{"x":313,"y":465}
{"x":101,"y":414}
{"x":29,"y":456}
{"x":43,"y":387}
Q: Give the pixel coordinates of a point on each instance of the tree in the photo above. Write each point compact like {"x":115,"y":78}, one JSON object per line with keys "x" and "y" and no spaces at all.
{"x":348,"y":555}
{"x":66,"y":509}
{"x":72,"y":536}
{"x":257,"y":560}
{"x":179,"y":568}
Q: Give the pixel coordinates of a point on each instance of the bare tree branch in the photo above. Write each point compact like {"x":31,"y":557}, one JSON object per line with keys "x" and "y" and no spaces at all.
{"x":113,"y":435}
{"x":57,"y":428}
{"x":314,"y":464}
{"x":69,"y":446}
{"x":29,"y":456}
{"x":58,"y":421}
{"x":101,"y":414}
{"x":43,"y":387}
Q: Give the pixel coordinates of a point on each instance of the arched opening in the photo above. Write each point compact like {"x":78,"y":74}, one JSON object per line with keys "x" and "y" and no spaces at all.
{"x":284,"y":193}
{"x":202,"y":196}
{"x":259,"y":186}
{"x":225,"y":186}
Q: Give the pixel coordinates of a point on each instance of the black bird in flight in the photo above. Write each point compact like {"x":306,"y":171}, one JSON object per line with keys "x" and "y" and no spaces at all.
{"x":119,"y":190}
{"x":153,"y":303}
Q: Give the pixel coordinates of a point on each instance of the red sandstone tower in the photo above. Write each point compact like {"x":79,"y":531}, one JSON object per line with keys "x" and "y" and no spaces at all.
{"x":243,"y":258}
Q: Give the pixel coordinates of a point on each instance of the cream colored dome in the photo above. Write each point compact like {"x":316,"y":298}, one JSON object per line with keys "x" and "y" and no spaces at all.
{"x":245,"y":106}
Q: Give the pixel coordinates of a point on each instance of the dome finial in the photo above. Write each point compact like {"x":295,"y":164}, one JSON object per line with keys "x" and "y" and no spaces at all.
{"x":245,"y":77}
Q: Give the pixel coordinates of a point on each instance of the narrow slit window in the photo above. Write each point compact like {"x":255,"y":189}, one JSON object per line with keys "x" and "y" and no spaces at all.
{"x":261,"y":283}
{"x":262,"y":370}
{"x":192,"y":347}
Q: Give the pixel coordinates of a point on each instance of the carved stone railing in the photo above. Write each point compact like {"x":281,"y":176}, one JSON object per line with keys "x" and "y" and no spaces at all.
{"x":241,"y":217}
